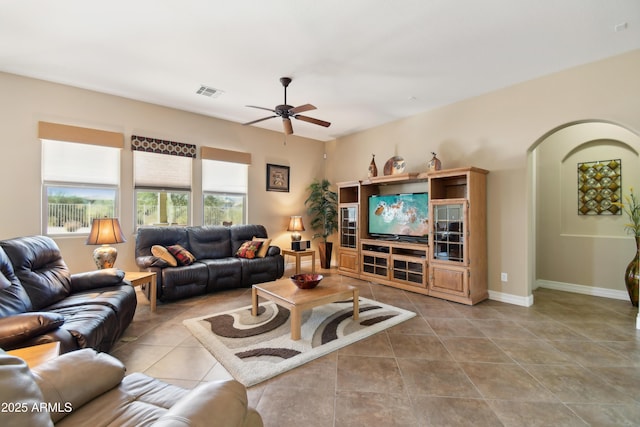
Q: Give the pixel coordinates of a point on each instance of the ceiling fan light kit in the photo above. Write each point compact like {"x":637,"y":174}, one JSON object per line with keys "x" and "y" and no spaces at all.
{"x":287,"y":111}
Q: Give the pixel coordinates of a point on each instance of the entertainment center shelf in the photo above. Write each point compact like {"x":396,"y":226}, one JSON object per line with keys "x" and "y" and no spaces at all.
{"x":449,"y":263}
{"x":395,"y":263}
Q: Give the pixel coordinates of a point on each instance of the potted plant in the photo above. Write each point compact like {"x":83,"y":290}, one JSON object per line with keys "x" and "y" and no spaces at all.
{"x":632,"y":274}
{"x":322,"y":207}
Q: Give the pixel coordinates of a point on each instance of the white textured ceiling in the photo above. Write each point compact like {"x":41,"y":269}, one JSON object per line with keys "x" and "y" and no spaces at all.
{"x":362,"y":63}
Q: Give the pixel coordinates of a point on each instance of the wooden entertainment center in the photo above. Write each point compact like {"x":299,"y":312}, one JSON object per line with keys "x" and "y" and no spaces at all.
{"x":450,"y":264}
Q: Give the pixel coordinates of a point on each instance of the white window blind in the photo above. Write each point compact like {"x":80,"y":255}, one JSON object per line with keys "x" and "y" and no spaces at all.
{"x":161,"y":171}
{"x":80,"y":163}
{"x":224,"y":177}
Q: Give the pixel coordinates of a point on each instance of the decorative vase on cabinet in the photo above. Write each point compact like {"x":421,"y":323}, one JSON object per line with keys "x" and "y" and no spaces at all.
{"x":373,"y":169}
{"x":434,"y":164}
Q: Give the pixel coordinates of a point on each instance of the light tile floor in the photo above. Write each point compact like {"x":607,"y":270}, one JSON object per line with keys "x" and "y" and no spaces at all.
{"x":569,"y":360}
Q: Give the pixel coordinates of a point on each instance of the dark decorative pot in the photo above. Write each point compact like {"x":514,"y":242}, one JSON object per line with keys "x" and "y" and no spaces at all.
{"x":325,"y":249}
{"x":632,"y":275}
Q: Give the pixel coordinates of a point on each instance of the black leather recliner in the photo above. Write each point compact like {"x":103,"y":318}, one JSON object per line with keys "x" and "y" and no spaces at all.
{"x":41,"y":301}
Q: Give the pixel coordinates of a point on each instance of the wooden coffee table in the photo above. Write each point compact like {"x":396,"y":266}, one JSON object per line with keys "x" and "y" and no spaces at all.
{"x":284,"y":293}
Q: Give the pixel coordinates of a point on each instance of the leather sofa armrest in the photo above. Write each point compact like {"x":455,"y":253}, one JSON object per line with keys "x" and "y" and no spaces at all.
{"x":273,"y":251}
{"x":73,"y":379}
{"x":213,"y":404}
{"x":19,"y":394}
{"x":96,"y":279}
{"x":149,"y":261}
{"x":21,"y":327}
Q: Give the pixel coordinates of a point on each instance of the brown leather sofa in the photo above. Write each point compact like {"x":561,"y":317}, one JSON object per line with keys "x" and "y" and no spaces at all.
{"x":41,"y":301}
{"x":86,"y":388}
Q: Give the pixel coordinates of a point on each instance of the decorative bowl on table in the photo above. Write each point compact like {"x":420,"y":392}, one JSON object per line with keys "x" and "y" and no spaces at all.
{"x":306,"y":281}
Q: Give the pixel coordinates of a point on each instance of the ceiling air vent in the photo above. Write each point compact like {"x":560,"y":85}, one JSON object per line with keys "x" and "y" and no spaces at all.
{"x":209,"y":92}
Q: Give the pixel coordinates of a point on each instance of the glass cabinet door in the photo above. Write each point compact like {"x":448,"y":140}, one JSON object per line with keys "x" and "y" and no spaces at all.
{"x":448,"y":231}
{"x":348,"y":226}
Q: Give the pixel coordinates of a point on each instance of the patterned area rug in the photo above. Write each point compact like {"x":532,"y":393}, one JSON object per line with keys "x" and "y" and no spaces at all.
{"x":254,"y":349}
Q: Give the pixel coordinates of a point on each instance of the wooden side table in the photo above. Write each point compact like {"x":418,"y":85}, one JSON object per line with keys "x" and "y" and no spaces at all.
{"x":139,"y":278}
{"x":37,"y":354}
{"x":300,"y":254}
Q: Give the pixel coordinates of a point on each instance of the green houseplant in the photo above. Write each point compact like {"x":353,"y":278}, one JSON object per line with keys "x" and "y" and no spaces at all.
{"x":322,"y":207}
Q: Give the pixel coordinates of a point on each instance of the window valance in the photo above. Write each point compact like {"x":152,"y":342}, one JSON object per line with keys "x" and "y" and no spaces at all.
{"x":159,"y":146}
{"x":66,"y":133}
{"x":210,"y":153}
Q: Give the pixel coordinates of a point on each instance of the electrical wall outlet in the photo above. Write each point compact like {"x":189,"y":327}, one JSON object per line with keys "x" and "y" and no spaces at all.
{"x":504,"y":277}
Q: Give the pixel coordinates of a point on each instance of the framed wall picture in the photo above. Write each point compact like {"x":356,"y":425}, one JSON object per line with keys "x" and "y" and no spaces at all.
{"x":599,"y":187}
{"x":277,"y":178}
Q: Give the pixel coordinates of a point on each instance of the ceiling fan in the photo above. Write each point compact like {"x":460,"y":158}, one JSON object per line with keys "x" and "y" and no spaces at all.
{"x":287,"y":111}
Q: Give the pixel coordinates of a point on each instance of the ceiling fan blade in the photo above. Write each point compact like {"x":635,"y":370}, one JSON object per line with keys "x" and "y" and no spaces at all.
{"x":288,"y":128}
{"x":262,"y":108}
{"x":301,"y":109}
{"x":259,"y":120}
{"x":312,"y":120}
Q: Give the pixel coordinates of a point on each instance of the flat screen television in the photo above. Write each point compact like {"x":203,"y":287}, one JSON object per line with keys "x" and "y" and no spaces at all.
{"x":399,"y":216}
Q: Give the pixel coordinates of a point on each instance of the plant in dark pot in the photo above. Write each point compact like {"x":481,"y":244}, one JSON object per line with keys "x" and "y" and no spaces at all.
{"x":322,"y":207}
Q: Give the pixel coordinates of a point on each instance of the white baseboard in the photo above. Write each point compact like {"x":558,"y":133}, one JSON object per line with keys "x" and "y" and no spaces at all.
{"x":511,"y":299}
{"x":582,"y":289}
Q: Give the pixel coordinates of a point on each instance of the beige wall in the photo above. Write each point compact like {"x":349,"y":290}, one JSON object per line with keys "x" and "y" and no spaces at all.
{"x":26,"y":101}
{"x":496,"y":131}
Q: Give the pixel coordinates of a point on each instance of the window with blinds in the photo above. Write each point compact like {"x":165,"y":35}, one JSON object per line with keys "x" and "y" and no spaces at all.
{"x":162,"y":178}
{"x":80,"y":177}
{"x":224,"y":188}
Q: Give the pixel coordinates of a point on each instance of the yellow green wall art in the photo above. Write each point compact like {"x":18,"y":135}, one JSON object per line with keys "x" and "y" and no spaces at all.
{"x":599,"y":186}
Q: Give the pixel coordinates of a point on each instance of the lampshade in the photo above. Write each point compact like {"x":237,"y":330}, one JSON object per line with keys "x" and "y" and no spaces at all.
{"x":105,"y":231}
{"x":295,"y":225}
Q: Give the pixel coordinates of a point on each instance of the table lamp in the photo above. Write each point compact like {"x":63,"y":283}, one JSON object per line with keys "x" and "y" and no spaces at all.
{"x":295,"y":225}
{"x":105,"y":232}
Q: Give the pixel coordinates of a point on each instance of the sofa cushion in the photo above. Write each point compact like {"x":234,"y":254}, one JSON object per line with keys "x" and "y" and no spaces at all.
{"x":63,"y":381}
{"x":183,"y":256}
{"x":21,"y":327}
{"x":164,"y":254}
{"x":261,"y":270}
{"x":262,"y":252}
{"x":13,"y":297}
{"x":4,"y":282}
{"x":249,"y":249}
{"x":92,"y":325}
{"x":209,"y":242}
{"x":224,"y":273}
{"x":38,"y":265}
{"x":182,"y":282}
{"x":139,"y":400}
{"x":120,"y":299}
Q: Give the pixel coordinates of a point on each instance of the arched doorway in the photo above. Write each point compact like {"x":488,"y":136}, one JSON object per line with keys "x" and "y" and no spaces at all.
{"x":573,"y":251}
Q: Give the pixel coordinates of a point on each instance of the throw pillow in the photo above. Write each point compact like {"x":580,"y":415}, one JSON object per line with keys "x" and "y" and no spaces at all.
{"x":162,"y":253}
{"x":249,"y":249}
{"x":264,"y":248}
{"x":183,"y":256}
